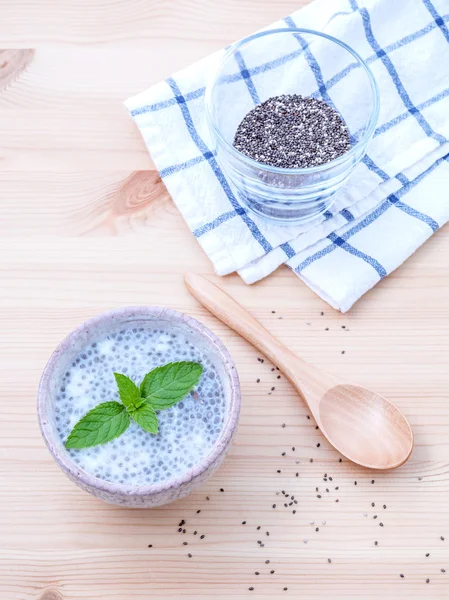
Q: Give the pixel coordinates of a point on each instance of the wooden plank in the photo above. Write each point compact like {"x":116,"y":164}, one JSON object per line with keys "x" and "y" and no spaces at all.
{"x":86,"y":225}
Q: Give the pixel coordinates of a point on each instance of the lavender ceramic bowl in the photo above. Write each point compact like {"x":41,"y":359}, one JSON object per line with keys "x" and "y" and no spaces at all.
{"x":151,"y":494}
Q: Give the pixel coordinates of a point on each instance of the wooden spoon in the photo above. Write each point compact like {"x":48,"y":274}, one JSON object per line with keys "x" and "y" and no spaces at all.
{"x":361,"y":424}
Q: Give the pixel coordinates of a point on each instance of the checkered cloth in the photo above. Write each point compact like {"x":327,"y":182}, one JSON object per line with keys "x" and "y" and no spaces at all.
{"x":397,"y":197}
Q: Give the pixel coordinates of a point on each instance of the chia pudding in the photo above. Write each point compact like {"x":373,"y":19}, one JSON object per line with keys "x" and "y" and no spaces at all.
{"x":187,"y":431}
{"x":138,"y":468}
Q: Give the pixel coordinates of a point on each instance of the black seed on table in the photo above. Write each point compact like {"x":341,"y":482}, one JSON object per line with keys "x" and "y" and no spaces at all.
{"x":402,"y":575}
{"x":150,"y":545}
{"x":340,"y":460}
{"x":256,"y":573}
{"x":183,"y":531}
{"x":274,"y":505}
{"x":330,"y":478}
{"x":308,"y":417}
{"x":327,"y":489}
{"x":337,"y":487}
{"x":195,"y":532}
{"x":221,"y":490}
{"x":443,"y":570}
{"x":258,"y":527}
{"x":322,"y":313}
{"x":375,"y":517}
{"x":376,"y":543}
{"x":381,"y":524}
{"x":297,"y":474}
{"x":317,"y":489}
{"x":272,"y":368}
{"x":184,"y":543}
{"x":317,"y":529}
{"x":207,"y":498}
{"x":271,"y":572}
{"x":293,"y":448}
{"x":273,"y":388}
{"x":329,"y":560}
{"x":427,"y":580}
{"x":311,"y":460}
{"x":372,"y":480}
{"x":285,"y":589}
{"x":278,"y":471}
{"x":337,"y":500}
{"x":198,"y":511}
{"x":243,"y":522}
{"x":283,"y":424}
{"x":385,"y":506}
{"x":179,"y":530}
{"x":286,"y":505}
{"x":442,"y":538}
{"x":326,"y":329}
{"x":273,"y":312}
{"x":283,"y":454}
{"x":427,"y":555}
{"x":318,"y":445}
{"x":202,"y":537}
{"x":355,"y":482}
{"x":278,"y":377}
{"x":373,"y":504}
{"x":318,"y":496}
{"x":189,"y":555}
{"x":251,"y":589}
{"x":316,"y":427}
{"x":267,"y":562}
{"x":259,"y":541}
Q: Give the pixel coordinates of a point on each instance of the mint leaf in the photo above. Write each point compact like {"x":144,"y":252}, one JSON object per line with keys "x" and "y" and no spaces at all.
{"x":128,"y":391}
{"x":164,"y":386}
{"x":146,"y":418}
{"x":100,"y":425}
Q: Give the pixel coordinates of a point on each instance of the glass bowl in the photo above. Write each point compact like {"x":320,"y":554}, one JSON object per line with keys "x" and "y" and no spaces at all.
{"x":289,"y":61}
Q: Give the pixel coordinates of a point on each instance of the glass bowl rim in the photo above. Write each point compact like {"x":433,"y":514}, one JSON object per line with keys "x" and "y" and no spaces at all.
{"x":281,"y":170}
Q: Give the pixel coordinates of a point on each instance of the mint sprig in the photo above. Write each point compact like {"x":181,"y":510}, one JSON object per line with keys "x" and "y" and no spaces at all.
{"x":161,"y":388}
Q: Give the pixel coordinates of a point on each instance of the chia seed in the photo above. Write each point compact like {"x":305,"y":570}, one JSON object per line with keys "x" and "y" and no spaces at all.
{"x":292,"y":131}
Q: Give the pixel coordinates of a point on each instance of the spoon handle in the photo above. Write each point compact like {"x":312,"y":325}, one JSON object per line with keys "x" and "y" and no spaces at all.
{"x":220,"y":304}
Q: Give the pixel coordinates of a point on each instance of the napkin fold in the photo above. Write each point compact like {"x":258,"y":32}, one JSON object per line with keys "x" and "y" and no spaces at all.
{"x":396,"y":198}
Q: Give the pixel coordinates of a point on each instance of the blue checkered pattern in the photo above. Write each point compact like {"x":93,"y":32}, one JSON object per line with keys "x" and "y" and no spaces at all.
{"x":405,"y":43}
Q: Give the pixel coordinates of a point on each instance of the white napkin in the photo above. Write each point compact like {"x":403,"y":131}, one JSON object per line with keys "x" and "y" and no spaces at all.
{"x":394,"y":200}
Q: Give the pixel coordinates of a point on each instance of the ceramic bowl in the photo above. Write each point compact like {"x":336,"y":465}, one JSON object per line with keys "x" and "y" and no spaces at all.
{"x":151,"y":494}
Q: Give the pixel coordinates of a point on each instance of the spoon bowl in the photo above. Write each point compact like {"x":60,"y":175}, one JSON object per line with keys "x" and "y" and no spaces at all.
{"x":365,"y":427}
{"x":361,"y":424}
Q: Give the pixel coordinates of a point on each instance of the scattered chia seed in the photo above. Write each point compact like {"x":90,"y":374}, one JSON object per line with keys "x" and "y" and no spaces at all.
{"x":150,"y":545}
{"x":329,"y":560}
{"x":385,"y":506}
{"x":271,"y":572}
{"x":257,"y":380}
{"x":221,"y":490}
{"x":243,"y":522}
{"x":184,"y":543}
{"x":427,"y":555}
{"x":283,"y":424}
{"x":283,"y":454}
{"x":340,"y":460}
{"x":202,"y":537}
{"x":256,"y":573}
{"x":258,"y":527}
{"x":376,"y":543}
{"x":427,"y":580}
{"x":318,"y":445}
{"x":195,"y":532}
{"x":285,"y":589}
{"x":402,"y":575}
{"x":372,"y":480}
{"x":267,"y":562}
{"x":311,"y":460}
{"x":442,"y":538}
{"x":251,"y":589}
{"x":198,"y":512}
{"x":189,"y":555}
{"x":274,"y":505}
{"x":443,"y":570}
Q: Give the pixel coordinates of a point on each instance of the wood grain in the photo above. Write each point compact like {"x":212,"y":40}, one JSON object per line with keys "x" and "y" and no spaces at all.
{"x":86,"y":225}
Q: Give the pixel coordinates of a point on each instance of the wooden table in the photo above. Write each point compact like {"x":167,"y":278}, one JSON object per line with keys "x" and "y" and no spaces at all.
{"x":84,"y":224}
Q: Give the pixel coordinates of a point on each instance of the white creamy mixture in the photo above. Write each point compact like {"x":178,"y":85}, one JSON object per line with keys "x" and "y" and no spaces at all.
{"x":187,"y":431}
